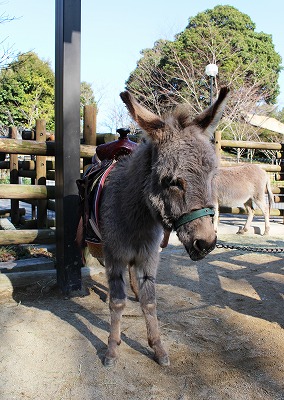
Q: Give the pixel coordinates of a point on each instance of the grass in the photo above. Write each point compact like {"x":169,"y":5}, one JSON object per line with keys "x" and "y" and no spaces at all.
{"x":18,"y":252}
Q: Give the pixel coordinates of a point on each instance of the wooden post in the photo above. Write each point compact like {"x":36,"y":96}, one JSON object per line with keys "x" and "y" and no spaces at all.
{"x":41,"y":175}
{"x":14,"y":179}
{"x":218,"y":148}
{"x":89,"y":128}
{"x":67,"y":141}
{"x":282,"y":166}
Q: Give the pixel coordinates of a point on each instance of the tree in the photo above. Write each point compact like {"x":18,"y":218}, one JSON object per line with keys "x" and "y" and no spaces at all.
{"x":7,"y":53}
{"x":86,"y":98}
{"x":87,"y":95}
{"x":173,"y":71}
{"x":27,"y":92}
{"x":118,"y":117}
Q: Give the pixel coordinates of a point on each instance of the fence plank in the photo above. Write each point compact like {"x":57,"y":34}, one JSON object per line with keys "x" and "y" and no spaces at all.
{"x":10,"y":191}
{"x":16,"y":146}
{"x":239,"y":210}
{"x":27,"y":236}
{"x":242,"y":144}
{"x":41,"y":175}
{"x":14,"y":178}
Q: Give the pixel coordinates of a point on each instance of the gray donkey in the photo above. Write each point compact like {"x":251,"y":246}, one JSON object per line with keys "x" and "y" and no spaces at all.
{"x":165,"y":184}
{"x":243,"y":185}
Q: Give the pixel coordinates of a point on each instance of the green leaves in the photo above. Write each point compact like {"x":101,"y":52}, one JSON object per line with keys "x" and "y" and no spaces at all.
{"x":27,"y":92}
{"x":173,"y":71}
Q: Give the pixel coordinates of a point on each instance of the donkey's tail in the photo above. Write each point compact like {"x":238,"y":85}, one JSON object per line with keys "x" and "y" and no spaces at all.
{"x":269,"y":192}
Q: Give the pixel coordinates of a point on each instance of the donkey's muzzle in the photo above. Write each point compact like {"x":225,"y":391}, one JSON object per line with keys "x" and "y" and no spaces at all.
{"x":201,"y":248}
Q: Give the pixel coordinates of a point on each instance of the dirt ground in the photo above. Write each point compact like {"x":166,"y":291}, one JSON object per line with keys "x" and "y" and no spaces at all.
{"x":221,"y":320}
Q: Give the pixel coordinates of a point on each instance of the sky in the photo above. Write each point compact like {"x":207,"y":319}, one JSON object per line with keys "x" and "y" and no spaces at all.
{"x":113,"y":33}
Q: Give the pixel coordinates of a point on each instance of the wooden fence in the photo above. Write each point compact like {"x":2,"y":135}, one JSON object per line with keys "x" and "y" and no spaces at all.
{"x":41,"y":168}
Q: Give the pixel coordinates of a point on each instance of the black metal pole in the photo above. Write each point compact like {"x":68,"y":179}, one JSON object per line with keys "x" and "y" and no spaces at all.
{"x":67,"y":141}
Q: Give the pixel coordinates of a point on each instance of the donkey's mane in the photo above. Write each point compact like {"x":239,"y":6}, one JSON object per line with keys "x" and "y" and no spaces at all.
{"x":182,"y":113}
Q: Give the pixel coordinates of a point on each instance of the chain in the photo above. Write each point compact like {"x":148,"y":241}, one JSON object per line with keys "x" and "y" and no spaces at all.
{"x":253,"y":249}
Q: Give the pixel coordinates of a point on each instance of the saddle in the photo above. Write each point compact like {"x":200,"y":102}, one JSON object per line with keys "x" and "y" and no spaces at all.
{"x":90,"y":187}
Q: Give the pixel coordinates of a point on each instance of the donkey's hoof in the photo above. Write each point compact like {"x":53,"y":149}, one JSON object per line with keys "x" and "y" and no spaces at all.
{"x":241,"y":232}
{"x":164,"y":361}
{"x":110,"y":362}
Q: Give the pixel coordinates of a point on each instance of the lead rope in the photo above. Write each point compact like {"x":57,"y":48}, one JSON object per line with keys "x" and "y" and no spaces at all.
{"x":250,"y":248}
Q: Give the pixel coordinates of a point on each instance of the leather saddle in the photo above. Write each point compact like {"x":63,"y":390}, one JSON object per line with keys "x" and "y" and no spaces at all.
{"x":91,"y":185}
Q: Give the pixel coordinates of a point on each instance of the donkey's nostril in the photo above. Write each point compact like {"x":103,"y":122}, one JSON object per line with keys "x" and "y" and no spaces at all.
{"x":201,"y":245}
{"x":195,"y":245}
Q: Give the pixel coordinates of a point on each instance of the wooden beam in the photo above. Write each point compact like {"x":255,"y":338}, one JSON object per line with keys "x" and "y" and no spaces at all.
{"x":242,"y":144}
{"x":21,"y":192}
{"x":15,"y":146}
{"x":238,"y":210}
{"x":27,"y":236}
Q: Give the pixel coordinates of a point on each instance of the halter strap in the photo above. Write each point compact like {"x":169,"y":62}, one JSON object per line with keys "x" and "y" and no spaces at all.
{"x":193,"y":215}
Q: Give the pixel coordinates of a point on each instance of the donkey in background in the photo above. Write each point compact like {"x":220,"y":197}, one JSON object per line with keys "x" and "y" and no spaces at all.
{"x":165,"y":184}
{"x":243,"y":185}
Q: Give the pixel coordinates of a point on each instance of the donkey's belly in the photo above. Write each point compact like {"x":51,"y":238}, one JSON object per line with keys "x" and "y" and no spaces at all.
{"x":233,"y":201}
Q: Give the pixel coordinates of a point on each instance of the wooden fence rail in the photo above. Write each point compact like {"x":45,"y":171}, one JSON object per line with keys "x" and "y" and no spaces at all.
{"x":40,"y":195}
{"x":27,"y":236}
{"x":39,"y":169}
{"x":15,"y":191}
{"x":33,"y":147}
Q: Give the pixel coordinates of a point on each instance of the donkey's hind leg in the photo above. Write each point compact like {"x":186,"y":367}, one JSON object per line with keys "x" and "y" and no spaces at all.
{"x":117,"y":301}
{"x":266,"y":213}
{"x":147,"y":298}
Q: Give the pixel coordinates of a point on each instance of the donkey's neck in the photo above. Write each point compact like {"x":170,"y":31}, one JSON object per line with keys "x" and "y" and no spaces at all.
{"x":131,"y":178}
{"x":136,"y":172}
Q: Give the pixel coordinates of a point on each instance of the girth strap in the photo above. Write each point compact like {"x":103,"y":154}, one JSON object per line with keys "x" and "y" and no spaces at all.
{"x":193,"y":215}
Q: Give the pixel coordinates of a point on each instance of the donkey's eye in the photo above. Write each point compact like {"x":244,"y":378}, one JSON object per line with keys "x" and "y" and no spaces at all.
{"x":169,"y":182}
{"x":166,"y":182}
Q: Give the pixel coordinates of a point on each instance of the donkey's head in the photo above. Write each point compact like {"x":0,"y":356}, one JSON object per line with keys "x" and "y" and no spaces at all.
{"x":183,"y":163}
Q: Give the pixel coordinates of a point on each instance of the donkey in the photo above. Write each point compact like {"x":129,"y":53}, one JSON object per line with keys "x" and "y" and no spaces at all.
{"x":165,"y":184}
{"x":243,"y":185}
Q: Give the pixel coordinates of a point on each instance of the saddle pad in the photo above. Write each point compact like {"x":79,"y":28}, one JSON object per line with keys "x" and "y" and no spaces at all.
{"x":89,"y":188}
{"x":96,"y":195}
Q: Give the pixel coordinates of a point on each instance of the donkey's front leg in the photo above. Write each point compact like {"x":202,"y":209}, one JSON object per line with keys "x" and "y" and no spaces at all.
{"x":117,"y":303}
{"x":147,"y":298}
{"x":249,"y":207}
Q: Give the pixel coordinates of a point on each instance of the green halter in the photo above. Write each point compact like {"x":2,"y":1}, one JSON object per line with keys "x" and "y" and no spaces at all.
{"x":193,"y":215}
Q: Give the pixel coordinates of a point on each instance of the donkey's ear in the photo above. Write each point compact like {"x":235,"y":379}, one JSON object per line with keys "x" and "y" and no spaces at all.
{"x":209,"y":119}
{"x":148,"y":121}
